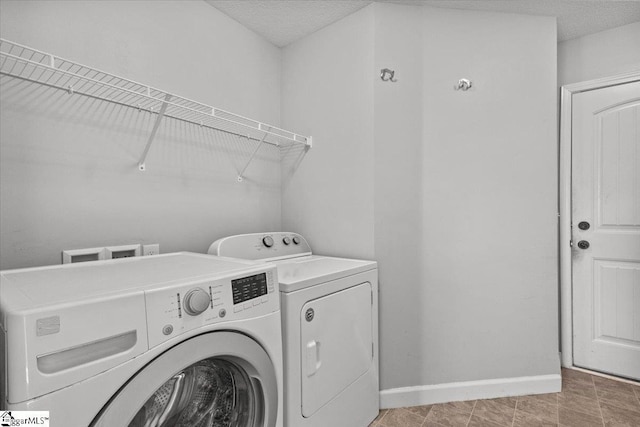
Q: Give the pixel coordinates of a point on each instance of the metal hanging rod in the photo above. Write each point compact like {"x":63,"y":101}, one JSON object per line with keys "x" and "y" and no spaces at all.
{"x":32,"y":65}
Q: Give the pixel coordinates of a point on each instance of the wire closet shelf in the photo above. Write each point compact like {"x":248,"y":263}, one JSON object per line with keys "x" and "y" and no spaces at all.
{"x":32,"y":65}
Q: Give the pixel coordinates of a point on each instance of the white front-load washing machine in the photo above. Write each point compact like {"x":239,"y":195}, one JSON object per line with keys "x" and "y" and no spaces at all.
{"x":330,"y":329}
{"x":169,"y":340}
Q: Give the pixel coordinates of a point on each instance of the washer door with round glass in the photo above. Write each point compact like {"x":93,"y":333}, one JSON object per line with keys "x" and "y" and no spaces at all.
{"x":219,"y":379}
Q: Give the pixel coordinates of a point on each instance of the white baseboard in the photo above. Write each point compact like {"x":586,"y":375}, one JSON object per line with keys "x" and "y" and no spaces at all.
{"x":469,"y":390}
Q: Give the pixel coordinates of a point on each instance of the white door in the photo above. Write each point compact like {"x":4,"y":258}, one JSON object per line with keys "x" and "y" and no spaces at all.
{"x":606,"y":229}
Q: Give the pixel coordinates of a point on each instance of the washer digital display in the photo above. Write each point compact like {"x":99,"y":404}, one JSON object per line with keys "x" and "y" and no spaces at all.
{"x":248,"y":288}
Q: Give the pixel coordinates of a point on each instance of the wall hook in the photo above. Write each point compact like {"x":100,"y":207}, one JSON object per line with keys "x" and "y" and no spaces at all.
{"x":463,"y":84}
{"x":386,"y":75}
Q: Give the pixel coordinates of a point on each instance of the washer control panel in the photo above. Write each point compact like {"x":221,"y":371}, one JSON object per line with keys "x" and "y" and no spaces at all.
{"x":176,"y":309}
{"x":261,"y":246}
{"x":196,"y":301}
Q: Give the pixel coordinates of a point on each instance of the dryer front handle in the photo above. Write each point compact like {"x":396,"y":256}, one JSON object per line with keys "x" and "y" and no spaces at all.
{"x":313,"y":357}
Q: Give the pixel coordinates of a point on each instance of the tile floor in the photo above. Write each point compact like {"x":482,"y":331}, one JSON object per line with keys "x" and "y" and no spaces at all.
{"x":585,"y":401}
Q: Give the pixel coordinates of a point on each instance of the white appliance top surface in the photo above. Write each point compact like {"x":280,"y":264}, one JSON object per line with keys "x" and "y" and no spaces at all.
{"x":302,"y":272}
{"x":70,"y":282}
{"x":297,"y":267}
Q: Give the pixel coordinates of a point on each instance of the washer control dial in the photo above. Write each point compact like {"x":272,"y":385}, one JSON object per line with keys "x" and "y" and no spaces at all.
{"x":267,"y":241}
{"x":196,"y":301}
{"x":296,"y":240}
{"x":286,"y":240}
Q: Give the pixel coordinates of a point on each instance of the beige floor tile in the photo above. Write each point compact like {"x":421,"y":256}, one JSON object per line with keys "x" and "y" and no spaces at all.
{"x":476,"y":421}
{"x":618,"y":417}
{"x":508,"y":401}
{"x":400,"y":418}
{"x":538,"y":407}
{"x":499,"y":411}
{"x":548,"y":397}
{"x":576,"y":375}
{"x":622,"y":399}
{"x":585,"y":401}
{"x":613,"y":385}
{"x":579,"y":403}
{"x":582,"y":382}
{"x":571,"y":418}
{"x":422,"y":410}
{"x":453,"y":414}
{"x":524,"y":419}
{"x":463,"y":405}
{"x":578,"y":388}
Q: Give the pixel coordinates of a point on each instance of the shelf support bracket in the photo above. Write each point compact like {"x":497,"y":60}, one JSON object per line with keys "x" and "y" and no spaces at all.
{"x":241,"y":174}
{"x":156,"y":125}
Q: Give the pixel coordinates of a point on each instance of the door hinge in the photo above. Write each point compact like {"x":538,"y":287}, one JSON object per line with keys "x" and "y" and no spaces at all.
{"x":571,"y":243}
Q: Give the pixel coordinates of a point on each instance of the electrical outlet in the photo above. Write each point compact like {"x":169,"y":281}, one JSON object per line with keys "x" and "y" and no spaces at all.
{"x":153,"y":249}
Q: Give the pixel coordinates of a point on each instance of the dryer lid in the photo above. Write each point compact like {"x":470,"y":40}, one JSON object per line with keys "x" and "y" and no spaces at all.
{"x":299,"y":273}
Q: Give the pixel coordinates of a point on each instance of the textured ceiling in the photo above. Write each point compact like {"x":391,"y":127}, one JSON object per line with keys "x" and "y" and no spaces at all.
{"x":283,"y":22}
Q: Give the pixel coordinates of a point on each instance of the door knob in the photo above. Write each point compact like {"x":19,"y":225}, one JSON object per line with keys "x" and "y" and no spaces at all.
{"x":584,"y":225}
{"x":583,"y":244}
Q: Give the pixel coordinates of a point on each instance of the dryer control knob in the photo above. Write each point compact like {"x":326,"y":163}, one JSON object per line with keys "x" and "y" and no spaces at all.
{"x":196,"y":301}
{"x":267,"y":241}
{"x":296,"y":240}
{"x":286,"y":240}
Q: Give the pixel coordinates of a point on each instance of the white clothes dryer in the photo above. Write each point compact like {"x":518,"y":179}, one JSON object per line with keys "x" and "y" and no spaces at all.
{"x":330,"y":329}
{"x":169,"y":340}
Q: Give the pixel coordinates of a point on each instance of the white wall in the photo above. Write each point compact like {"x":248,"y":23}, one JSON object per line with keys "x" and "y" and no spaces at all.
{"x":327,"y":92}
{"x":599,"y":55}
{"x":398,"y":188}
{"x":464,"y":184}
{"x":68,"y":164}
{"x":489,"y":197}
